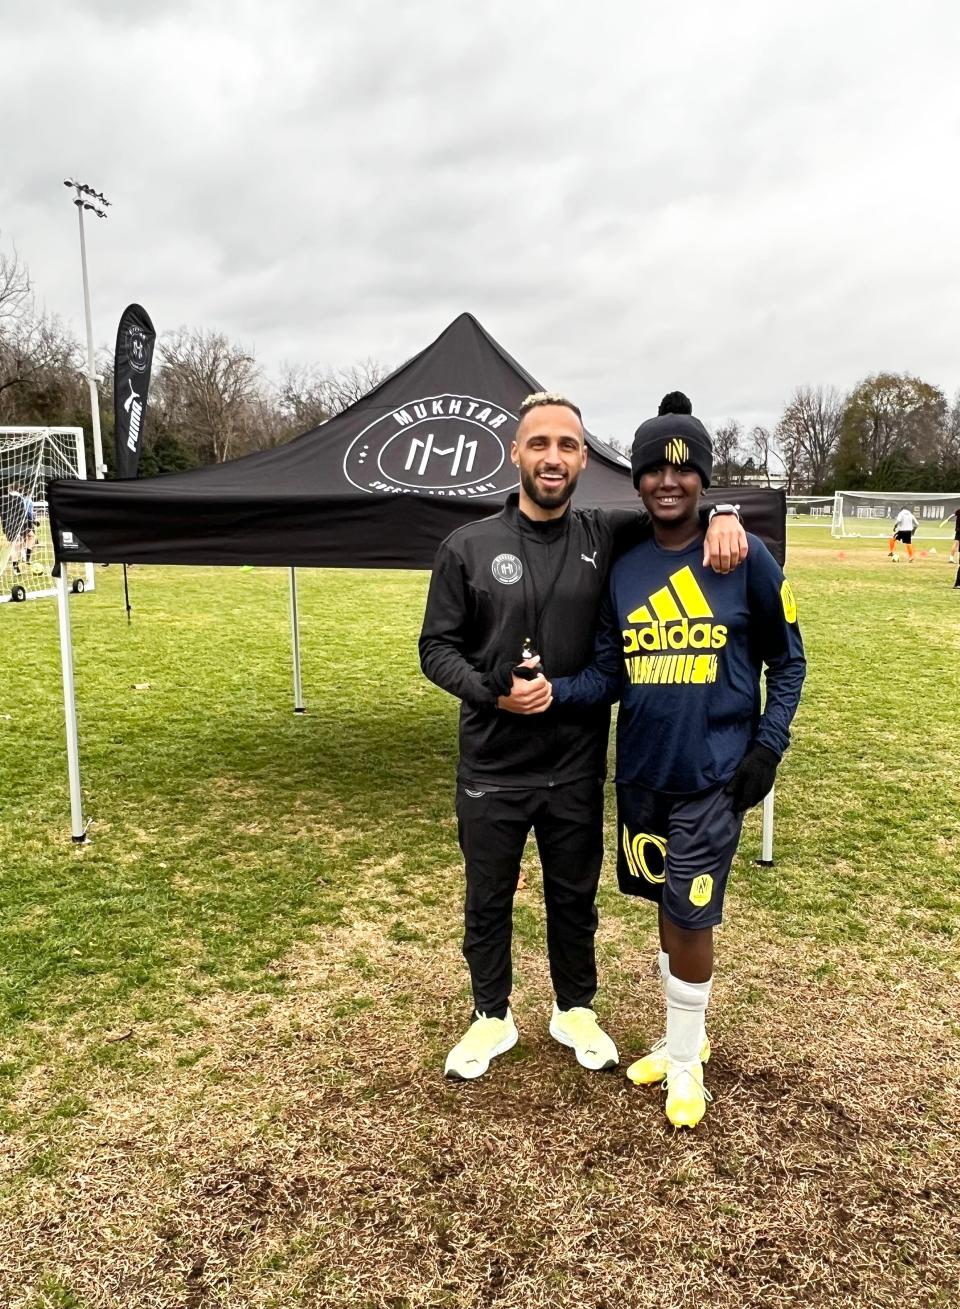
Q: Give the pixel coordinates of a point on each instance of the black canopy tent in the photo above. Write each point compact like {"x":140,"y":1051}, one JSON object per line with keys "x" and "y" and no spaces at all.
{"x":378,"y":486}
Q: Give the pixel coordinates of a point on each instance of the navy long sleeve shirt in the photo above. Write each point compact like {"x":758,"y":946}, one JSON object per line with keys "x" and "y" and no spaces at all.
{"x":682,"y":648}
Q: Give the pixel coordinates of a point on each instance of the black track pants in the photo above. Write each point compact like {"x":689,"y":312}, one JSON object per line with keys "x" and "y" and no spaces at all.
{"x":493,"y":827}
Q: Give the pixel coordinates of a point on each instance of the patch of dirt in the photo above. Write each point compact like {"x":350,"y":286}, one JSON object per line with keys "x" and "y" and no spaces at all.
{"x":308,"y":1151}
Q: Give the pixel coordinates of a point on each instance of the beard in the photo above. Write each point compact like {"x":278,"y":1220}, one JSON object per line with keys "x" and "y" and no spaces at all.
{"x":548,"y":499}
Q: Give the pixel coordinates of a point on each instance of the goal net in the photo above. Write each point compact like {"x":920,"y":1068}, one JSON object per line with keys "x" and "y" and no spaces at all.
{"x":30,"y":458}
{"x":809,"y":510}
{"x":866,"y":513}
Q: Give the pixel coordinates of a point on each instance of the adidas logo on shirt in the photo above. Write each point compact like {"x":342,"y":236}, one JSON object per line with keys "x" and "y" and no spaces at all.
{"x":677,"y":618}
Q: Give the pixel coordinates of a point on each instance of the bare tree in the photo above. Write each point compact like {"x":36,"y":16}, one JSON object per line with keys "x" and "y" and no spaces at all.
{"x":14,"y":285}
{"x":38,"y":357}
{"x":210,"y":384}
{"x":345,"y":386}
{"x":40,"y":364}
{"x":762,"y":446}
{"x":727,"y":453}
{"x":809,"y":433}
{"x":303,"y":397}
{"x":309,"y":396}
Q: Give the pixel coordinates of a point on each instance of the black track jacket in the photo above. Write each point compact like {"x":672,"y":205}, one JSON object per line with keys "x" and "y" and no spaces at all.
{"x":495,"y":584}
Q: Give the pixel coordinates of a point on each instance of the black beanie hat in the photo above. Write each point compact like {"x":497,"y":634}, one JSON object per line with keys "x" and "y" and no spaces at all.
{"x":673,"y":437}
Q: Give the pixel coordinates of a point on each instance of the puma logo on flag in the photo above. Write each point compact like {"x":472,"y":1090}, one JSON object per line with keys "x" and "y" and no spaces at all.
{"x":134,"y":408}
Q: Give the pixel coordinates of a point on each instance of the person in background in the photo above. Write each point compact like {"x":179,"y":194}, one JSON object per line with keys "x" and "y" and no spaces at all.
{"x":904,"y":526}
{"x":27,"y":538}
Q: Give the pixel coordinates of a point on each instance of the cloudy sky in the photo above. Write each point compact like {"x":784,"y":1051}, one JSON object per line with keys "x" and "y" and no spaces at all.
{"x":732,"y":199}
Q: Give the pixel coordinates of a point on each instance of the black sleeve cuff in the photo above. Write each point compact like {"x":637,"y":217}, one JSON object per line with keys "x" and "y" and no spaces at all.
{"x":500,"y":679}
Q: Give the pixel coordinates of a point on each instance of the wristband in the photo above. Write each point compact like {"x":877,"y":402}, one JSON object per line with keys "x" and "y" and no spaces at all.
{"x":723,"y":509}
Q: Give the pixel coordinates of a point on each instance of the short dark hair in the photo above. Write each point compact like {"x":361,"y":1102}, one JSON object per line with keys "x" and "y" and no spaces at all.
{"x":541,"y":398}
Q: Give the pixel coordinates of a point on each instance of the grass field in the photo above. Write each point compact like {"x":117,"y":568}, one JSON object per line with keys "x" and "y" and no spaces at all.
{"x":223,"y":1021}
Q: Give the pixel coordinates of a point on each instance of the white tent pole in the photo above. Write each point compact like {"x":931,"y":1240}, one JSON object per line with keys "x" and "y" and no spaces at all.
{"x":766,"y":848}
{"x":298,"y":706}
{"x":70,"y":708}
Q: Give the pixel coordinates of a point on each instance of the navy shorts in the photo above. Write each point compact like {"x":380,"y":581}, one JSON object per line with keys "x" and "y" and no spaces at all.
{"x":677,"y":851}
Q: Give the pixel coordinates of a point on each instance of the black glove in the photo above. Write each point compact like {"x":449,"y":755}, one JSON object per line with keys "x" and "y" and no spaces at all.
{"x":754,"y":777}
{"x":500,"y":680}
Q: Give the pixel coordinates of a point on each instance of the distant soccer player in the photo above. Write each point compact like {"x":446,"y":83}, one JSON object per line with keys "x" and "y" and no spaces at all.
{"x":27,"y":536}
{"x":682,"y":649}
{"x":955,"y":544}
{"x":904,"y":526}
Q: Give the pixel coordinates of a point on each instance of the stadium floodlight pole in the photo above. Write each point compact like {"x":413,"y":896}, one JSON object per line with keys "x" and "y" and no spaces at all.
{"x":83,"y":200}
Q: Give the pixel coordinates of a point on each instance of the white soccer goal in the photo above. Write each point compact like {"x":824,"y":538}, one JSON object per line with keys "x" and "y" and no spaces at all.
{"x":809,"y":510}
{"x":30,"y":459}
{"x":871,"y":513}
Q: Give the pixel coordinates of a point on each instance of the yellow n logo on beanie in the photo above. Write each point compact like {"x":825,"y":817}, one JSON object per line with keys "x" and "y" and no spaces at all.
{"x":676,"y":451}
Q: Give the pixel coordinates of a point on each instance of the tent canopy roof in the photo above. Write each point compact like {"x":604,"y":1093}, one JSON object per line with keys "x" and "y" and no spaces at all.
{"x":380,"y":485}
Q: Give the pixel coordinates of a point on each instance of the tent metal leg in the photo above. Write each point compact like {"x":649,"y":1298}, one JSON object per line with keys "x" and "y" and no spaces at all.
{"x":70,"y":709}
{"x":766,"y":848}
{"x":298,"y":705}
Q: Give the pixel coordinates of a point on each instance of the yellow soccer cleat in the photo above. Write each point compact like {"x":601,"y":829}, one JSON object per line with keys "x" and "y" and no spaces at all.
{"x":652,"y":1068}
{"x":687,"y":1097}
{"x":483,"y":1040}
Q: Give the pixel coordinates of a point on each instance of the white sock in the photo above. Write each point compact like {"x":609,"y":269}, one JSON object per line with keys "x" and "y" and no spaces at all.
{"x":686,"y":1013}
{"x":663,"y":961}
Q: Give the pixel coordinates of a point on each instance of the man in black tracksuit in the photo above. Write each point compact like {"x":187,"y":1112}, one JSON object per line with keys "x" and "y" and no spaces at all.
{"x":528,"y":581}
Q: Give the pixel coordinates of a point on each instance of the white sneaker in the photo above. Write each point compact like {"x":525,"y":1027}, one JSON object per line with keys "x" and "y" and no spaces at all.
{"x":483,"y":1040}
{"x":578,"y":1028}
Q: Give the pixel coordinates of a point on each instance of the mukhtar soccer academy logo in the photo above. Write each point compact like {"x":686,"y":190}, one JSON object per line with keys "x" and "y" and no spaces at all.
{"x":454,"y":446}
{"x":670,"y":635}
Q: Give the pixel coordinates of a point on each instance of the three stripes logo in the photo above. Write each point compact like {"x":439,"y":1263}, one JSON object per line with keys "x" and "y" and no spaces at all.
{"x":664,"y":635}
{"x":676,"y":451}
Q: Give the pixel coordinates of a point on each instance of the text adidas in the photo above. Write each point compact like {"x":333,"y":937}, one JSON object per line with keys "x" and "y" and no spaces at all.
{"x":682,"y":635}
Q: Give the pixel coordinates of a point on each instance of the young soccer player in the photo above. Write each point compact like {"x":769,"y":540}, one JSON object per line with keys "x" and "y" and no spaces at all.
{"x":904,"y":526}
{"x":682,"y":649}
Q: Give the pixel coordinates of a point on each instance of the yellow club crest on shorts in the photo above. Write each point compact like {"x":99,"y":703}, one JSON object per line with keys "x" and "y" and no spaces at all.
{"x":701,"y":890}
{"x":789,"y":602}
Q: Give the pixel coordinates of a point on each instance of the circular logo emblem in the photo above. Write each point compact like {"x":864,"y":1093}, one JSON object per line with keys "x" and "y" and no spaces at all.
{"x":137,"y":349}
{"x":447,"y":445}
{"x":701,"y":890}
{"x":507,"y":569}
